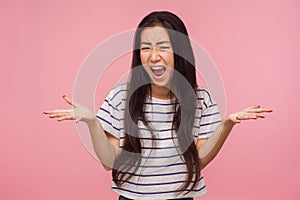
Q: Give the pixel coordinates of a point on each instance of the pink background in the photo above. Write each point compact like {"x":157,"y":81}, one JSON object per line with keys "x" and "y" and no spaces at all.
{"x":255,"y":44}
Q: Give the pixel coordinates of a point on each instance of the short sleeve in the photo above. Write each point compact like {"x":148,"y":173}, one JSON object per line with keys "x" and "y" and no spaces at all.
{"x":209,"y":115}
{"x":110,"y":113}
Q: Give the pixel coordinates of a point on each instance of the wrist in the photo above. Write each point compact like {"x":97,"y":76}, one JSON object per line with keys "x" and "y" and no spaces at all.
{"x":92,"y":121}
{"x":228,"y":122}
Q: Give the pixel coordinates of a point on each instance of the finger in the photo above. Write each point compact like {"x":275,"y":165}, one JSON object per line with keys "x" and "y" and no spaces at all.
{"x":260,"y":110}
{"x":70,"y":101}
{"x":260,"y":116}
{"x":268,"y":110}
{"x":65,"y":118}
{"x":237,"y":120}
{"x":253,"y":107}
{"x":246,"y":116}
{"x":55,"y":115}
{"x":48,"y":112}
{"x":57,"y":111}
{"x":250,"y":117}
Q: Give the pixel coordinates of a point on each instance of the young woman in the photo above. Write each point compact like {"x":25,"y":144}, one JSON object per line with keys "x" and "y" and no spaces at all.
{"x":159,"y":131}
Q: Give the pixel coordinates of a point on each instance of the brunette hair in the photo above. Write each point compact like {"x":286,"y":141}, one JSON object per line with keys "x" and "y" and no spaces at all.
{"x":125,"y":166}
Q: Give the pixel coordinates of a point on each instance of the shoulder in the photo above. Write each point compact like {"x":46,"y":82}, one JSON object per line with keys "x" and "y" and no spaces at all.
{"x":117,"y":93}
{"x":116,"y":98}
{"x":204,"y":96}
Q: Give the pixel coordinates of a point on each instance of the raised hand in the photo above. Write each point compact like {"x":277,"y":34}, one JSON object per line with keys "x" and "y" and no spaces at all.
{"x":77,"y":113}
{"x":252,"y":112}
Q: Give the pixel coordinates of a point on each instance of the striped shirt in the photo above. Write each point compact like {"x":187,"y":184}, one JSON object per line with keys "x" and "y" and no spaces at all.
{"x":162,"y":171}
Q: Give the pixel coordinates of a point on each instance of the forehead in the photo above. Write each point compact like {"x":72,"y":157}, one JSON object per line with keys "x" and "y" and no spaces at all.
{"x":154,"y":34}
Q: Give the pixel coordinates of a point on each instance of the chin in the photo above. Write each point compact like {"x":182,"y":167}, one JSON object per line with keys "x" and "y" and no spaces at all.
{"x":161,"y":84}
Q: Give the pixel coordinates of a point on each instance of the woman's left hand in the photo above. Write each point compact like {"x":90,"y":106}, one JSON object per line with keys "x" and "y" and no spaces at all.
{"x":252,"y":112}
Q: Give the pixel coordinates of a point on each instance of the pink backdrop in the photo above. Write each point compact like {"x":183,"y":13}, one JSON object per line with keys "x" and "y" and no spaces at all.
{"x":255,"y":44}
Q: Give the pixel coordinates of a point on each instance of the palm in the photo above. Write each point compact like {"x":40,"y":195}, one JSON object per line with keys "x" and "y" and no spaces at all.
{"x":77,"y":113}
{"x":252,"y":112}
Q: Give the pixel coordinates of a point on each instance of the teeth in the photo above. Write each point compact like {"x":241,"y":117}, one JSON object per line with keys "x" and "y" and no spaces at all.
{"x":157,"y":67}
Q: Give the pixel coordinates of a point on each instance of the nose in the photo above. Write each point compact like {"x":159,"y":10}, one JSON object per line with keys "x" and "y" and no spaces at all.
{"x":154,"y":57}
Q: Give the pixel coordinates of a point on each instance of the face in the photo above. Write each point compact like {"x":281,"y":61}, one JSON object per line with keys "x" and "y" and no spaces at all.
{"x":157,"y":55}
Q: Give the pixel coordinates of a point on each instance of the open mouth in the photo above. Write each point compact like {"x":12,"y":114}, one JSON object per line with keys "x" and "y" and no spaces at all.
{"x":159,"y":70}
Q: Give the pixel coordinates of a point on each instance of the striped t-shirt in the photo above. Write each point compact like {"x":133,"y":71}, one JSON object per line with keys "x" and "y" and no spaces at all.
{"x":162,"y":171}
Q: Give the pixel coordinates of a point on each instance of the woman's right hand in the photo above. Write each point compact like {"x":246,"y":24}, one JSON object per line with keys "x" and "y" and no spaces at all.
{"x":77,"y":113}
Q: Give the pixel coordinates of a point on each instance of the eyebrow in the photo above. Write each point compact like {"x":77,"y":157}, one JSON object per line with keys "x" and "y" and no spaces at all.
{"x":158,"y":43}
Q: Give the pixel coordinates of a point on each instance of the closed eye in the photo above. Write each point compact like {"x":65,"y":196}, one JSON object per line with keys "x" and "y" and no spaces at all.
{"x":164,"y":47}
{"x":145,"y":48}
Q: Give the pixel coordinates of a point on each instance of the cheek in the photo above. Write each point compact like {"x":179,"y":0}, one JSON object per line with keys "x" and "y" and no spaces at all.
{"x":143,"y":58}
{"x":170,"y":60}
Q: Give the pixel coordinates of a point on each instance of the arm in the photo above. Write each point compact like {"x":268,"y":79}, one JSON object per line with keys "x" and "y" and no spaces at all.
{"x":105,"y":145}
{"x":209,"y":148}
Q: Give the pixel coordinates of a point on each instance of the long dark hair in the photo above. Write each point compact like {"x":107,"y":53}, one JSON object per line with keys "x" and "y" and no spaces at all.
{"x":125,"y":166}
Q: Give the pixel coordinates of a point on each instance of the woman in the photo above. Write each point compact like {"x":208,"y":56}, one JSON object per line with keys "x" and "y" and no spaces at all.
{"x":159,"y":131}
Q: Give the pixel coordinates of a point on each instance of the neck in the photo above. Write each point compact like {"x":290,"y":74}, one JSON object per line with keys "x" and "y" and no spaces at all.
{"x":161,"y":92}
